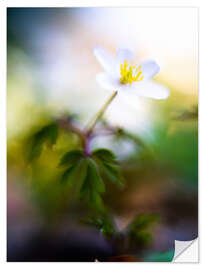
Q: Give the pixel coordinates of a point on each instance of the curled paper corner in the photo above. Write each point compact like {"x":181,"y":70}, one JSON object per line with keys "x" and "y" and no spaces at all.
{"x":186,"y":251}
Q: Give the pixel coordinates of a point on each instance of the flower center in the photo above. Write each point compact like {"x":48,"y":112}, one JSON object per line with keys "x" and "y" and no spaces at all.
{"x":130,"y":74}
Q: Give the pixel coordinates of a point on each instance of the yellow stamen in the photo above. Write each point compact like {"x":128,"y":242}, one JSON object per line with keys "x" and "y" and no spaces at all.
{"x":130,"y":74}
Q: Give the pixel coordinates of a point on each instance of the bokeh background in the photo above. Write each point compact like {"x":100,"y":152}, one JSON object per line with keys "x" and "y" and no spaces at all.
{"x":51,"y":69}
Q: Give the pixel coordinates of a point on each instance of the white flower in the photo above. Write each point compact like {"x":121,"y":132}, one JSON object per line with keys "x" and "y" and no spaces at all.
{"x":127,"y":78}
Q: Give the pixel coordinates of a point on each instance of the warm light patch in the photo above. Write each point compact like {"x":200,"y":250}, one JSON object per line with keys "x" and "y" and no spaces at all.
{"x":130,"y":74}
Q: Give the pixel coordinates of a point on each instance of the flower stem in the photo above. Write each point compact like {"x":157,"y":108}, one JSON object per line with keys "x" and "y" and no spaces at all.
{"x":100,"y":112}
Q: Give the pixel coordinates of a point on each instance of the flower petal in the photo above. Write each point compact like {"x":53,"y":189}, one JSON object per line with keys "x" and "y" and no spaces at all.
{"x":149,"y":69}
{"x":148,"y":89}
{"x":107,"y":81}
{"x":121,"y":56}
{"x":124,"y":54}
{"x":105,"y":59}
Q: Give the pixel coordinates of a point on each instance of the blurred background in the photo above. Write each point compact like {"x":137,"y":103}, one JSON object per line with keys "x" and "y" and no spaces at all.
{"x":51,"y":70}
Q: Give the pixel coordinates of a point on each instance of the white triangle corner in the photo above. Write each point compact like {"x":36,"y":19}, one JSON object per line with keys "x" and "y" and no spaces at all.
{"x":186,"y":251}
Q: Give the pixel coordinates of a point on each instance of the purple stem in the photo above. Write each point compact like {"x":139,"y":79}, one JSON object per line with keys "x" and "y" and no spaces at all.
{"x":87,"y":145}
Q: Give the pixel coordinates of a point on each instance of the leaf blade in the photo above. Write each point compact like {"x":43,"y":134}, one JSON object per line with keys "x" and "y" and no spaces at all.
{"x":71,"y":157}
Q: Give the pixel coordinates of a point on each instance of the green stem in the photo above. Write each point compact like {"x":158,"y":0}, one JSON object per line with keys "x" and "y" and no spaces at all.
{"x":100,"y":112}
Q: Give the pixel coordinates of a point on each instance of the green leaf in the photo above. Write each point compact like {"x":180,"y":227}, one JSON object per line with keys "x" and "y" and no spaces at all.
{"x":70,"y":158}
{"x":105,"y":155}
{"x":66,"y":174}
{"x":34,"y":149}
{"x":92,"y":197}
{"x":48,"y":133}
{"x":137,"y":229}
{"x":106,"y":161}
{"x":75,"y":175}
{"x":80,"y":175}
{"x":52,"y":132}
{"x":35,"y":144}
{"x":113,"y":173}
{"x":92,"y":187}
{"x":95,"y":200}
{"x":94,"y":177}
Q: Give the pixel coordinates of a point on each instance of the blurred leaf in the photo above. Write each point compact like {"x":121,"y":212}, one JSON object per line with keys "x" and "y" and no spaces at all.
{"x":94,"y":176}
{"x":165,"y":256}
{"x":70,"y":158}
{"x":92,"y":186}
{"x":94,"y":198}
{"x":52,"y":132}
{"x":48,"y":133}
{"x":83,"y":172}
{"x":75,"y":176}
{"x":35,"y":148}
{"x":137,"y":229}
{"x":106,"y":161}
{"x":105,"y":155}
{"x":66,"y":174}
{"x":114,"y":173}
{"x":143,"y":221}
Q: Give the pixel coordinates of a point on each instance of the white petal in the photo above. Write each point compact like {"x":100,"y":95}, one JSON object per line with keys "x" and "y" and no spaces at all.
{"x":124,"y":54}
{"x":149,"y":89}
{"x":107,"y":81}
{"x":105,"y":59}
{"x":149,"y":69}
{"x":121,"y":56}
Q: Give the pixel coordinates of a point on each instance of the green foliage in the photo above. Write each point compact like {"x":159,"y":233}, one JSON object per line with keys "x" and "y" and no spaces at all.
{"x":105,"y":155}
{"x":86,"y":170}
{"x":83,"y":177}
{"x":94,"y":179}
{"x":164,"y":256}
{"x":107,"y":163}
{"x":71,"y":158}
{"x":75,"y":175}
{"x":93,"y":186}
{"x":137,"y":229}
{"x":82,"y":174}
{"x":48,"y":134}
